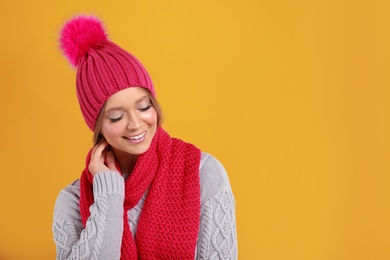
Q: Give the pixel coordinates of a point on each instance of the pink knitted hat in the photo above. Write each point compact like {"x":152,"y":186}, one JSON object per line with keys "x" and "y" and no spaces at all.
{"x":103,"y":68}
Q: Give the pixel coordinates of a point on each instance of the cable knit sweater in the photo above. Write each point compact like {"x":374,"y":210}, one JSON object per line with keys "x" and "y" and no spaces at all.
{"x":102,"y":237}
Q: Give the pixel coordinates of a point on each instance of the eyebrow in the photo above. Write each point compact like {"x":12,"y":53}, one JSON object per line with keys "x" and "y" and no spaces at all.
{"x":124,"y":108}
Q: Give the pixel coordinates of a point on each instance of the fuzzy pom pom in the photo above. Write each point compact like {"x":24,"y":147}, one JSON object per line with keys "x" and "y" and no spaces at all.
{"x":78,"y":36}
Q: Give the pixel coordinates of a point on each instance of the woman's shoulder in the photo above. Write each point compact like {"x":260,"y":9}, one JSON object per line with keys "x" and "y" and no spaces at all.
{"x":70,"y":195}
{"x":72,"y":190}
{"x":213,"y":176}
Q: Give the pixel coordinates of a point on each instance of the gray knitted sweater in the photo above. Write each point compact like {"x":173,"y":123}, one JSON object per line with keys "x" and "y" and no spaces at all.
{"x":102,"y":237}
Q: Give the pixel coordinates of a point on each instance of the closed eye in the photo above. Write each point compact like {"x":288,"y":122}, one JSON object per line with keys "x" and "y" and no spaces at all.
{"x":145,"y":108}
{"x":113,"y":120}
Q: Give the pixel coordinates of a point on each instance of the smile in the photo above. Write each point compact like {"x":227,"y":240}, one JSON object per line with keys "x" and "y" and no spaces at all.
{"x":136,"y":138}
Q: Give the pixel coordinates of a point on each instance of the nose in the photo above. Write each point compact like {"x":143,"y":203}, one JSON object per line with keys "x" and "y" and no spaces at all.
{"x":134,"y":122}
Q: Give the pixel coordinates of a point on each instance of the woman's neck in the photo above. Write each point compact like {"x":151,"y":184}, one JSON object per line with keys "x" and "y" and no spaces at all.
{"x":125,"y":161}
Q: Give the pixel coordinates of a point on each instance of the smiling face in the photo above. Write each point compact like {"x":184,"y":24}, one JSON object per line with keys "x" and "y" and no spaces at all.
{"x":129,"y":122}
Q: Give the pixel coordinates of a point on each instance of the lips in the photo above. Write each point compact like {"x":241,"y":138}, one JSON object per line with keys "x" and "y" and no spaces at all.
{"x":136,"y":138}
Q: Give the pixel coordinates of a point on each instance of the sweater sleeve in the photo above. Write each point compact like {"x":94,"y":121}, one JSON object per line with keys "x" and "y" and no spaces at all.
{"x":217,"y":235}
{"x":102,"y":236}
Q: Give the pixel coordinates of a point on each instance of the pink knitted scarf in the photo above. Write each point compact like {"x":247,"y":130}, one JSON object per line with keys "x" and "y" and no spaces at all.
{"x":169,"y":222}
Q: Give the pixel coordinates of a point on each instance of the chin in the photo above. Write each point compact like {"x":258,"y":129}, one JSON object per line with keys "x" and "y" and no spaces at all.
{"x":137,"y":150}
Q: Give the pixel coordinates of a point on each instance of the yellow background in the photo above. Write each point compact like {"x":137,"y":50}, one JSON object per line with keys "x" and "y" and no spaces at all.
{"x":291,"y":96}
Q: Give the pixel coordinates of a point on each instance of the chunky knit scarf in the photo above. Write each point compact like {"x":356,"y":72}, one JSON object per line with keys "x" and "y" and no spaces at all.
{"x":169,"y":222}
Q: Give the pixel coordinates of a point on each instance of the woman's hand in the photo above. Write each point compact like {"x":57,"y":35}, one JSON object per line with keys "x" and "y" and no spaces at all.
{"x":102,"y":158}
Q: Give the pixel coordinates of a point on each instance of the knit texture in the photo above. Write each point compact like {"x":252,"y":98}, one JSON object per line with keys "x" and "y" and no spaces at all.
{"x":103,"y":68}
{"x":101,"y":239}
{"x":169,"y":224}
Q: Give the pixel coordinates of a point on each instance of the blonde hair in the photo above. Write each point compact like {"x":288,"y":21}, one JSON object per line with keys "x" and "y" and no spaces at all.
{"x":97,"y":135}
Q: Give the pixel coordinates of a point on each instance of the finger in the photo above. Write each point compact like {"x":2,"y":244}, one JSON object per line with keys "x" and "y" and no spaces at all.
{"x":97,"y":151}
{"x":110,"y":161}
{"x":99,"y":143}
{"x":98,"y":156}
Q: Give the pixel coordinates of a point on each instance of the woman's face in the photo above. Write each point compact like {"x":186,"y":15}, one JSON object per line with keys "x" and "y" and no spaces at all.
{"x":129,"y":121}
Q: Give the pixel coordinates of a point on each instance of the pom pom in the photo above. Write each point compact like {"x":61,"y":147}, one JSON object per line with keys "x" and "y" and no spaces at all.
{"x":79,"y":35}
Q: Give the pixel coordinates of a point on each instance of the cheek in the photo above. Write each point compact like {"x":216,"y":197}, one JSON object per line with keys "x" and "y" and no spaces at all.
{"x":151,"y":117}
{"x":111,"y":130}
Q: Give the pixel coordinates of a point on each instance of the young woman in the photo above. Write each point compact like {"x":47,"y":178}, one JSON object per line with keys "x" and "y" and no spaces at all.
{"x":142,"y":194}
